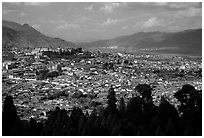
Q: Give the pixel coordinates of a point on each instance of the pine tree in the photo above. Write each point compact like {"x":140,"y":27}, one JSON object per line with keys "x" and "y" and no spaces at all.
{"x":60,"y":122}
{"x":159,"y":132}
{"x":189,"y":98}
{"x":49,"y":124}
{"x":154,"y":124}
{"x":145,"y":91}
{"x":96,"y":127}
{"x":16,"y":129}
{"x":81,"y":124}
{"x":141,"y":131}
{"x":111,"y":108}
{"x":103,"y":126}
{"x":115,"y":131}
{"x":134,"y":106}
{"x":166,"y":112}
{"x":88,"y":131}
{"x":170,"y":129}
{"x":128,"y":129}
{"x":9,"y":117}
{"x":122,"y":107}
{"x":32,"y":126}
{"x":113,"y":122}
{"x":189,"y":131}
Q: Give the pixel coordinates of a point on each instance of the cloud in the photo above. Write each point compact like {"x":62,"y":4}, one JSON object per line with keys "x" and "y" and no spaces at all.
{"x":59,"y":15}
{"x":152,"y":22}
{"x":183,"y":4}
{"x":161,"y":3}
{"x":125,"y":27}
{"x":67,"y":26}
{"x":109,"y":7}
{"x":22,"y":14}
{"x":189,"y":12}
{"x":109,"y":21}
{"x":154,"y":3}
{"x":60,"y":21}
{"x":89,"y":8}
{"x":40,"y":4}
{"x":14,"y":3}
{"x":69,"y":9}
{"x":174,"y":5}
{"x":6,"y":11}
{"x":81,"y":20}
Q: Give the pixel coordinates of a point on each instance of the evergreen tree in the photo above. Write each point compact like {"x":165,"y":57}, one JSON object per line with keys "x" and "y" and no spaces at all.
{"x":189,"y":98}
{"x":134,"y":105}
{"x":141,"y":131}
{"x":111,"y":108}
{"x":145,"y":91}
{"x":159,"y":132}
{"x":32,"y":126}
{"x":139,"y":118}
{"x":122,"y":107}
{"x":189,"y":131}
{"x":115,"y":131}
{"x":170,"y":129}
{"x":49,"y":124}
{"x":10,"y":118}
{"x":81,"y":124}
{"x":127,"y":130}
{"x":103,"y":126}
{"x":154,"y":125}
{"x":88,"y":129}
{"x":166,"y":112}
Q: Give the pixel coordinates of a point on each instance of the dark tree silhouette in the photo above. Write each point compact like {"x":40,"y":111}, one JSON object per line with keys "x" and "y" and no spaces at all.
{"x":111,"y":108}
{"x":140,"y":117}
{"x":122,"y":107}
{"x":135,"y":105}
{"x":189,"y":98}
{"x":166,"y":112}
{"x":10,"y":119}
{"x":190,"y":107}
{"x":170,"y":131}
{"x":145,"y":91}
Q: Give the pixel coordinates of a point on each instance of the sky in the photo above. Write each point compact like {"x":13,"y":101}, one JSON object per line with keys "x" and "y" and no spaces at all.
{"x":90,"y":21}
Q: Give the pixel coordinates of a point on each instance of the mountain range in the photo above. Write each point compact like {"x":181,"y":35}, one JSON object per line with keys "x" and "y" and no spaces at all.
{"x":26,"y":36}
{"x":187,"y":42}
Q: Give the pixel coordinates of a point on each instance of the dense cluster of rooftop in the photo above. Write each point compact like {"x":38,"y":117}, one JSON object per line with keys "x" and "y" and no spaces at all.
{"x":41,"y":79}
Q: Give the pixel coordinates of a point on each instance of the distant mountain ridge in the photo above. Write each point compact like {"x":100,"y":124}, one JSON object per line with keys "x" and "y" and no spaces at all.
{"x":26,"y":36}
{"x":188,"y":42}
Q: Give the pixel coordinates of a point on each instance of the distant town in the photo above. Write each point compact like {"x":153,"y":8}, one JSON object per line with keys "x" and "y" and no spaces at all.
{"x":41,"y":79}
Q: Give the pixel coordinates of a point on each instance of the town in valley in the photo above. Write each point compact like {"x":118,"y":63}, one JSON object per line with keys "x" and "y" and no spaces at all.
{"x":41,"y":79}
{"x":101,"y":68}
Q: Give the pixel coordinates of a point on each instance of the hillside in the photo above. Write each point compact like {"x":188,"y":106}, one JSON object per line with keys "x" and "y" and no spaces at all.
{"x":25,"y":36}
{"x":188,"y":42}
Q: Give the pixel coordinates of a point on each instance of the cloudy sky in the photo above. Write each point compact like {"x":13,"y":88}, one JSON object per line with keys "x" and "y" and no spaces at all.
{"x":91,"y":21}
